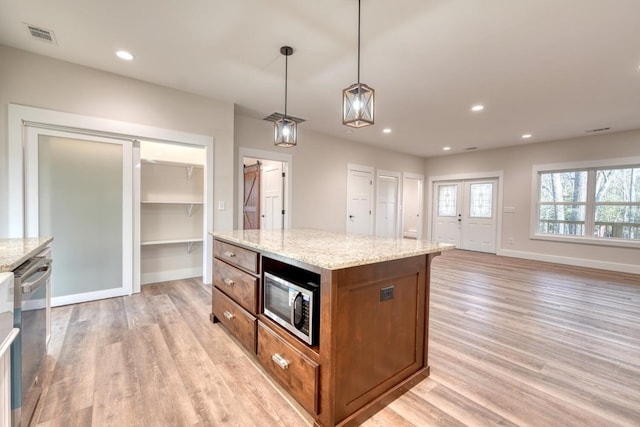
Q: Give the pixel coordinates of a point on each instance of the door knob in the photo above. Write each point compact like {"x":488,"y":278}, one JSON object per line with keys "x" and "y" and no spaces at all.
{"x":351,"y":216}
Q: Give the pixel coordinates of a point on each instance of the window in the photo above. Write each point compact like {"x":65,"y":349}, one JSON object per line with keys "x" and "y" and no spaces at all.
{"x":481,"y":200}
{"x":447,"y":200}
{"x":617,"y":203}
{"x":595,"y":203}
{"x":563,"y":198}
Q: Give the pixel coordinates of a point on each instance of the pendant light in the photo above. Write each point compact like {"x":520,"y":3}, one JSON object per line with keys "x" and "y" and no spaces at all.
{"x":286,"y":129}
{"x":357,"y":99}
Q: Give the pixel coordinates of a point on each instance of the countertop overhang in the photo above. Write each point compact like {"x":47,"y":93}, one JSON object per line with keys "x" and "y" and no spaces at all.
{"x":13,"y":252}
{"x":330,"y":250}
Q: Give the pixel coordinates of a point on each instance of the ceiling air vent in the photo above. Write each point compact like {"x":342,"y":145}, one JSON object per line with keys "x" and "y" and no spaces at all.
{"x":597,"y":130}
{"x":471,"y":148}
{"x":277,"y":116}
{"x":41,"y":34}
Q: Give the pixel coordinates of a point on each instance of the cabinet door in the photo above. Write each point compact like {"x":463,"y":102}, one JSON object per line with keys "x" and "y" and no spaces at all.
{"x":236,"y":319}
{"x":240,"y":286}
{"x":381,"y":330}
{"x":293,"y":370}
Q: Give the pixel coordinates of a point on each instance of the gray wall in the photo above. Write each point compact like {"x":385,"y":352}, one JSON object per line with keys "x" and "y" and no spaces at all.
{"x":517,"y":164}
{"x":320,"y":169}
{"x":319,"y":162}
{"x":39,"y":81}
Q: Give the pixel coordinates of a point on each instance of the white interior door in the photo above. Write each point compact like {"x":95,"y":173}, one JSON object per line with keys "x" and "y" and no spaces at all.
{"x":359,"y":199}
{"x":412,"y":205}
{"x":271,"y":205}
{"x":387,"y":204}
{"x":78,"y":189}
{"x":465,"y":214}
{"x":479,"y":219}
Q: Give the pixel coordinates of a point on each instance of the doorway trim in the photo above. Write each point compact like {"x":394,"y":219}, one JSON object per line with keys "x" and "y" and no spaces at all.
{"x":288,"y":182}
{"x":19,"y":116}
{"x":499,"y":175}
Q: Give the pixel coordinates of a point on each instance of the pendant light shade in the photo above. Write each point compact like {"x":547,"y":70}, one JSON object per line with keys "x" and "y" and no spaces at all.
{"x":286,"y":129}
{"x":358,"y":99}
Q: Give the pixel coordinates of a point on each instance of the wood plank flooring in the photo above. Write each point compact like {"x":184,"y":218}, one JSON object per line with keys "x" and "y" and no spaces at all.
{"x":512,"y":343}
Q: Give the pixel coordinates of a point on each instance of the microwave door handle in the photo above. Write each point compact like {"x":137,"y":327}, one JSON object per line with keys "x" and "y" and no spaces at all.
{"x":293,"y":311}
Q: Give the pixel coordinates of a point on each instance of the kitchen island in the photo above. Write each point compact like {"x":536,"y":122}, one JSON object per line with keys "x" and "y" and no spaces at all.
{"x":372,"y":341}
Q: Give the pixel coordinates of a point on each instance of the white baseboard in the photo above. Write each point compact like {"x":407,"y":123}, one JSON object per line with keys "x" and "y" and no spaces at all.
{"x":165,"y":276}
{"x":88,"y":296}
{"x":579,"y":262}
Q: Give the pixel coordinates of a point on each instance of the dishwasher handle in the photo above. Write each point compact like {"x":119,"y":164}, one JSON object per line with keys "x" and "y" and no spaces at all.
{"x":32,"y":286}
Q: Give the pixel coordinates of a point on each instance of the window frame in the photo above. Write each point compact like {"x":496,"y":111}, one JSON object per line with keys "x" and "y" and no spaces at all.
{"x":590,"y":205}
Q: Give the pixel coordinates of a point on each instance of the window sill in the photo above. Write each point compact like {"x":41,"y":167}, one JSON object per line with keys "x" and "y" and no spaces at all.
{"x":635,"y":244}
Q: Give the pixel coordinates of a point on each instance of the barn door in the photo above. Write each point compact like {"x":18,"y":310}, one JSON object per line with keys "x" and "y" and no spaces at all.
{"x":251,"y":205}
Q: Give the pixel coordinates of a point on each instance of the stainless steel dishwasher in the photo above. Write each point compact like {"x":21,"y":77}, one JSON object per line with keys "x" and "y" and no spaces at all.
{"x":29,"y":349}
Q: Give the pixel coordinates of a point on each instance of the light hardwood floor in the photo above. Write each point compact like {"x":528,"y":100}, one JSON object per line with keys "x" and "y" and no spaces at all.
{"x":512,"y":342}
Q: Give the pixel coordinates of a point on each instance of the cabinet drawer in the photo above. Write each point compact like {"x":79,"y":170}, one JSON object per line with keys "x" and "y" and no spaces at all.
{"x":236,"y":255}
{"x":240,"y":323}
{"x":240,"y":286}
{"x":293,"y":370}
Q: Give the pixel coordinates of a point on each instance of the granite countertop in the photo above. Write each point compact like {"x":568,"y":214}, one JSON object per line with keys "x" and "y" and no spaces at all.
{"x":330,"y":250}
{"x":14,"y":252}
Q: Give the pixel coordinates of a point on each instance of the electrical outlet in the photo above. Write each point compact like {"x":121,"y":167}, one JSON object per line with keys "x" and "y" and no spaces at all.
{"x":220,"y":205}
{"x":386,"y":293}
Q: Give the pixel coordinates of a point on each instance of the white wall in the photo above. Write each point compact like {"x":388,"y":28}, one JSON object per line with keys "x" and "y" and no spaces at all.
{"x":43,"y":82}
{"x":517,"y":163}
{"x":320,"y":169}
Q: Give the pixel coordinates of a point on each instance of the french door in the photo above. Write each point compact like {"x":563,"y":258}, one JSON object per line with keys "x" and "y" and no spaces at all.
{"x":465,"y":214}
{"x":78,"y":189}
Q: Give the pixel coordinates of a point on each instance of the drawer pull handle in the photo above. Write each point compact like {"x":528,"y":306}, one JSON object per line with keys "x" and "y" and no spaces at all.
{"x":281,"y":361}
{"x":228,"y":315}
{"x":228,"y":281}
{"x":229,"y":254}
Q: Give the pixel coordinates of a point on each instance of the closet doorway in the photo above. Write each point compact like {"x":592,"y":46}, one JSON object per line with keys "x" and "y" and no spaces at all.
{"x":93,"y":200}
{"x":264,"y":188}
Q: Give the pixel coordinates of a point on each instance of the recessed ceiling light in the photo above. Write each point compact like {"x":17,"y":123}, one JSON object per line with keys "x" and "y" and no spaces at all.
{"x":446,"y":148}
{"x":526,"y":136}
{"x":386,"y":130}
{"x":123,"y":54}
{"x":477,"y":107}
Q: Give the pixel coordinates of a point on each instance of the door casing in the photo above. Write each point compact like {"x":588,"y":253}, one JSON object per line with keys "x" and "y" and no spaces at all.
{"x":498,"y":175}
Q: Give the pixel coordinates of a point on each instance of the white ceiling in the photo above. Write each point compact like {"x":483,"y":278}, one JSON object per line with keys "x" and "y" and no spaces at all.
{"x":552,"y":68}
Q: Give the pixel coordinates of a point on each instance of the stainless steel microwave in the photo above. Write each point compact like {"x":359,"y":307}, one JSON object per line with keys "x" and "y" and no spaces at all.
{"x":294,"y":306}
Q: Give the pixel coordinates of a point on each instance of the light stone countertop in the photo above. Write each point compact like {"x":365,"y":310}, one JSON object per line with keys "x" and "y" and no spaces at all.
{"x":330,"y":250}
{"x":14,"y":252}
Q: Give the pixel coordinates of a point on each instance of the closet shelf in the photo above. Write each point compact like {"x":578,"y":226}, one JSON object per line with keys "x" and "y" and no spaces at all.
{"x":171,"y":163}
{"x":169,"y":202}
{"x":170,"y":241}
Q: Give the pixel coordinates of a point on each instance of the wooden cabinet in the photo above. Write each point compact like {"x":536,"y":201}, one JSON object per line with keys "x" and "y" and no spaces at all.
{"x":236,"y":255}
{"x":373,"y":340}
{"x":297,"y":373}
{"x":235,"y":291}
{"x":240,"y":286}
{"x":237,"y":320}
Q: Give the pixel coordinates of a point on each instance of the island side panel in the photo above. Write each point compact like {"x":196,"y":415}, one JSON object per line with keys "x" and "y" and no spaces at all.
{"x":380,"y":334}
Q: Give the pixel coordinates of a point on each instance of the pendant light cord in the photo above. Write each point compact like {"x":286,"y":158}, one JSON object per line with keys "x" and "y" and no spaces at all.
{"x":358,"y":42}
{"x":286,"y":78}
